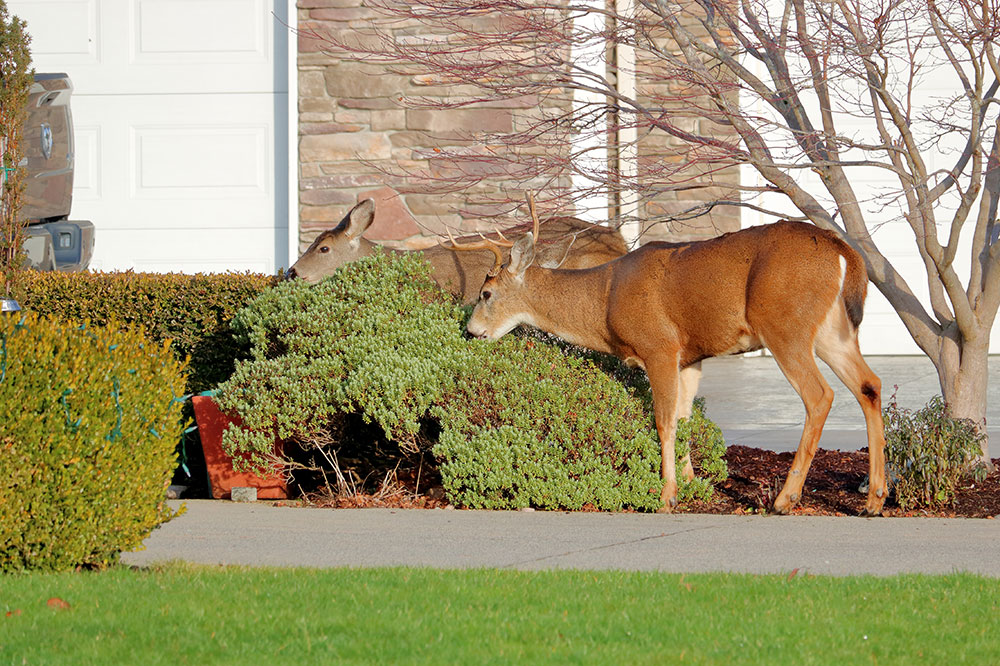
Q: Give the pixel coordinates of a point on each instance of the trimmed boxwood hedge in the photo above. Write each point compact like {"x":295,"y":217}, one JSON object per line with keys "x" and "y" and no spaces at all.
{"x":89,"y":418}
{"x":193,"y":311}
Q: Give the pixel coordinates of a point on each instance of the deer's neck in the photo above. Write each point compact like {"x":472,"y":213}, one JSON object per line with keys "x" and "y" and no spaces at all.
{"x":366,"y":247}
{"x":572,"y":304}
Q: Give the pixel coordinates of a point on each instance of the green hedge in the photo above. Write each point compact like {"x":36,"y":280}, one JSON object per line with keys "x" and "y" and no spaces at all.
{"x":194,"y":311}
{"x":519,"y":423}
{"x":89,"y":419}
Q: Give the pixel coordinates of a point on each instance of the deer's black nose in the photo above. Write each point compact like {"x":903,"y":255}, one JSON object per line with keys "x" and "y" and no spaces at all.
{"x":290,"y":274}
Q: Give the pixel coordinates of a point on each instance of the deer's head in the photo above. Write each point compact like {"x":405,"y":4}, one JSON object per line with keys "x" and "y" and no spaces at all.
{"x":502,"y":305}
{"x":335,"y":247}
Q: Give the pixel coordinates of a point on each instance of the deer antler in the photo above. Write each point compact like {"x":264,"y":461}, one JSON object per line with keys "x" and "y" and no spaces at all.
{"x":491,"y":244}
{"x":484,"y":244}
{"x":534,"y":215}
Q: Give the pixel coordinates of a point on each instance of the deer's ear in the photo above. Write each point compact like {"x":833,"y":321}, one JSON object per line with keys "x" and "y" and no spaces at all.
{"x":522,"y":254}
{"x":358,"y":220}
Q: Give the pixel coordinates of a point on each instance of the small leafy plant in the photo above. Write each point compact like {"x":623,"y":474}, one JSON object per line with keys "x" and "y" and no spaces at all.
{"x":928,"y":452}
{"x":376,"y":338}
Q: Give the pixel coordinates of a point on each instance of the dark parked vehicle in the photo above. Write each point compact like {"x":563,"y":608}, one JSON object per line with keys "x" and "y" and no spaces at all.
{"x":52,"y":240}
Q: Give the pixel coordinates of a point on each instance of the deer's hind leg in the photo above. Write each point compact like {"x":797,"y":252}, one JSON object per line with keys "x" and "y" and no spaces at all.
{"x":837,"y":345}
{"x":798,"y":364}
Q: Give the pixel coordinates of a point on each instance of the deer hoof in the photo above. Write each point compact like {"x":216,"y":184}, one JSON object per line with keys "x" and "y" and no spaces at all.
{"x":668,"y":505}
{"x":874,"y":506}
{"x":784,"y":503}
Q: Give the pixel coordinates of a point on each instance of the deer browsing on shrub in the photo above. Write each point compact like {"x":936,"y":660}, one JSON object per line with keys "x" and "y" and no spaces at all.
{"x":791,"y":287}
{"x":566,"y":242}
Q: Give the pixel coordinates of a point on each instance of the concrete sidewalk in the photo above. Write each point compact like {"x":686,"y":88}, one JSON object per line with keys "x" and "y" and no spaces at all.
{"x":220,"y":532}
{"x":747,"y":397}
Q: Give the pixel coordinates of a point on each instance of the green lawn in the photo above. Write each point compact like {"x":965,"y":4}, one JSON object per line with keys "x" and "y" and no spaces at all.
{"x":198,"y":615}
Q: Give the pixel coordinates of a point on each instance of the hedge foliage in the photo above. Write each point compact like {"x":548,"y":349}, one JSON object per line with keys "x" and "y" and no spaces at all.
{"x":531,"y":427}
{"x":378,"y":339}
{"x":194,"y":311}
{"x":520,"y":423}
{"x":89,"y":418}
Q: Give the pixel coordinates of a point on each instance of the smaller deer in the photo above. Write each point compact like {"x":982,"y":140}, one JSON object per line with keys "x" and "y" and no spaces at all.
{"x":572,"y":243}
{"x":792,"y":287}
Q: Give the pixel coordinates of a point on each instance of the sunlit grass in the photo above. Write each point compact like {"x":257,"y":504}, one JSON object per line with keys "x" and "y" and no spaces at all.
{"x":181,"y":614}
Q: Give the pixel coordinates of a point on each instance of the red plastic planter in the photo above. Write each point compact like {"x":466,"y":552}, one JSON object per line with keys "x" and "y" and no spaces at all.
{"x":222,"y":478}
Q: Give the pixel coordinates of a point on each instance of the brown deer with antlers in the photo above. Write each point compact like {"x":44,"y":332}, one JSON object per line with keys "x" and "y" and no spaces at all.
{"x":567,"y":242}
{"x":791,"y":287}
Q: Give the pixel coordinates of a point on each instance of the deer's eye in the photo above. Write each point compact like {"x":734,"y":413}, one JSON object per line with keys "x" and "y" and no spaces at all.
{"x":485,"y":296}
{"x":324,"y":248}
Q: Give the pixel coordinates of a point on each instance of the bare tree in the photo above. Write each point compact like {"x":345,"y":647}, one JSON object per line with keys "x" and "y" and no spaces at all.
{"x":852,"y":114}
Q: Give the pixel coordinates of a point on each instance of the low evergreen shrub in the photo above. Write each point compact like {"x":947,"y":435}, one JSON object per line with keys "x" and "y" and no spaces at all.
{"x":516,"y":423}
{"x":928,"y":452}
{"x":531,"y":427}
{"x":377,"y":338}
{"x":89,"y":418}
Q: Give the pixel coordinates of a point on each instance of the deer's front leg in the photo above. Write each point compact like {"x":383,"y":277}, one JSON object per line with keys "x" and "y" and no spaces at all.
{"x":663,"y":379}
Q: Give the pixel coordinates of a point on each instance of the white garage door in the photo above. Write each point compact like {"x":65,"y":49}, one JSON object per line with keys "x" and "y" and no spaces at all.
{"x":181,"y":113}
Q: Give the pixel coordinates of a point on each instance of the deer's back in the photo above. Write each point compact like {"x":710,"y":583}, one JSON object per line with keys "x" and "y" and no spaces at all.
{"x":594,"y":245}
{"x":721,"y":294}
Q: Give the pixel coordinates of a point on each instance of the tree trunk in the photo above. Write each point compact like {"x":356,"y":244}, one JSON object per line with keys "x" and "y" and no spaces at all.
{"x":964,"y":373}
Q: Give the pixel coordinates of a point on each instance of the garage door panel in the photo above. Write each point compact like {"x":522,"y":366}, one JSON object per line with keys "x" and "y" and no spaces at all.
{"x":200,"y":161}
{"x":158,"y":46}
{"x":161,"y":165}
{"x":87,"y":165}
{"x":174,"y":31}
{"x":212,"y":251}
{"x":65,"y":31}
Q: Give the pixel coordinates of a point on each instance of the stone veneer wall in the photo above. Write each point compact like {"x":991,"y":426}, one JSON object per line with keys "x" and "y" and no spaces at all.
{"x":351,"y":124}
{"x":658,"y":151}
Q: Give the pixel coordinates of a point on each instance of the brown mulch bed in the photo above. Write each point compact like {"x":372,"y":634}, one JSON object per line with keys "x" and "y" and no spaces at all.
{"x":831,"y":488}
{"x":755,"y":478}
